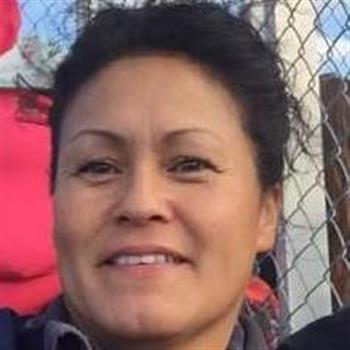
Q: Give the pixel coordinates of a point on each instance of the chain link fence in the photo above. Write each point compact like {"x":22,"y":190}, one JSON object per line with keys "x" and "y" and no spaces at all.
{"x":309,"y":270}
{"x":311,"y":260}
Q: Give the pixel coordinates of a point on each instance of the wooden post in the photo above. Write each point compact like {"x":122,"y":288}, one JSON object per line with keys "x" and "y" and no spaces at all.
{"x":335,"y":95}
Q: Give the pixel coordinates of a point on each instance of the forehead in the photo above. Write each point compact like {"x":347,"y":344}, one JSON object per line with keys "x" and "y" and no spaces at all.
{"x":154,"y":92}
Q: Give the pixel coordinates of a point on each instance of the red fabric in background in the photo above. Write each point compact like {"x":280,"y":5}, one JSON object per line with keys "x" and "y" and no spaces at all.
{"x":28,"y":278}
{"x":259,"y":293}
{"x":9,"y":24}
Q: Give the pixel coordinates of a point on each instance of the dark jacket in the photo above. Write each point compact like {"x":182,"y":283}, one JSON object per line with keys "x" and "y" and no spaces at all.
{"x":52,"y":330}
{"x":328,"y":333}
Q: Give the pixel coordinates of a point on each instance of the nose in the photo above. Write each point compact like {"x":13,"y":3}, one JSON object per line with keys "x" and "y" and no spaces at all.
{"x":144,"y":200}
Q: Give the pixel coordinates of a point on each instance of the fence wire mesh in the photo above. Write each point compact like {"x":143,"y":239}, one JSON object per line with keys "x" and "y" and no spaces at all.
{"x":309,"y":270}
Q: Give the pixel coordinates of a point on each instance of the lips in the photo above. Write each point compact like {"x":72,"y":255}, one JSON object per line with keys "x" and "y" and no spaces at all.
{"x":144,"y":255}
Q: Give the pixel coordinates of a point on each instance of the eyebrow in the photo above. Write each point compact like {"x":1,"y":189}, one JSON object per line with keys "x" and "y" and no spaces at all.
{"x":177,"y":133}
{"x":116,"y":138}
{"x":120,"y":140}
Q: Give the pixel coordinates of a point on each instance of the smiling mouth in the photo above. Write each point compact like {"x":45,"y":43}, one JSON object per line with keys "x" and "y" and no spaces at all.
{"x":130,"y":260}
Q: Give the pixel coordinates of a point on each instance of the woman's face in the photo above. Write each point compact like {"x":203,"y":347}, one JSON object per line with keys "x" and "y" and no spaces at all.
{"x":158,"y":209}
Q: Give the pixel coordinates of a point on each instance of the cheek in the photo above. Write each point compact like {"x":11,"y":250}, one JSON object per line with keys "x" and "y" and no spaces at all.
{"x":224,"y":245}
{"x":224,"y":225}
{"x":228,"y":213}
{"x":77,"y":219}
{"x":229,"y":240}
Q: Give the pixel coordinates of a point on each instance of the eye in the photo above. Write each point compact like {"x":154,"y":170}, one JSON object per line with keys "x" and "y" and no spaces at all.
{"x":98,"y":170}
{"x":189,"y":164}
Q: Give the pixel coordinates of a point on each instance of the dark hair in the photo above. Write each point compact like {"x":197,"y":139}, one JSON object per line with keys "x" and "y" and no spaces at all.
{"x":206,"y":33}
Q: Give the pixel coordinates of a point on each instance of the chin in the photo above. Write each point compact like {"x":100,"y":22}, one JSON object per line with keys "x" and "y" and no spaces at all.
{"x":143,"y":328}
{"x":149,"y":323}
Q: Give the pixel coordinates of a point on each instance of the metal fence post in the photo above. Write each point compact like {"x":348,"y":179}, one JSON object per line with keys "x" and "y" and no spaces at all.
{"x":304,"y":205}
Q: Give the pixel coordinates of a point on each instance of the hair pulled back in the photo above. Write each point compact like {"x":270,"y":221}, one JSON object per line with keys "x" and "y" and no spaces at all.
{"x":206,"y":33}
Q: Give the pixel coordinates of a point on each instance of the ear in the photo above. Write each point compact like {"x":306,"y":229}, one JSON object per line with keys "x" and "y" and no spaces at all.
{"x":271,"y":205}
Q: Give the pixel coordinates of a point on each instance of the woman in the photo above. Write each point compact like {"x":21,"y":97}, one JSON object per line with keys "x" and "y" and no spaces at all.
{"x":169,"y":126}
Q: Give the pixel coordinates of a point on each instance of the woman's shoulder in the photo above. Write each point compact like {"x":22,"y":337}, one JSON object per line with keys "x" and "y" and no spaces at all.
{"x":331,"y":332}
{"x":15,"y":333}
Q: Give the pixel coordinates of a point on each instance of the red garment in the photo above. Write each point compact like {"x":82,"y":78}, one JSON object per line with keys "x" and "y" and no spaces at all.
{"x":259,"y":292}
{"x":28,"y":277}
{"x":9,"y":24}
{"x":265,"y":309}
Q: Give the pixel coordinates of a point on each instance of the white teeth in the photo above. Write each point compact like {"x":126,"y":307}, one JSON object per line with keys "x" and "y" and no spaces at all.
{"x":146,"y":259}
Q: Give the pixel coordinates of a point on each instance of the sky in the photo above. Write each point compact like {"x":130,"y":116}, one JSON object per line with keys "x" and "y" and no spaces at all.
{"x":334,"y":35}
{"x":51,"y":19}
